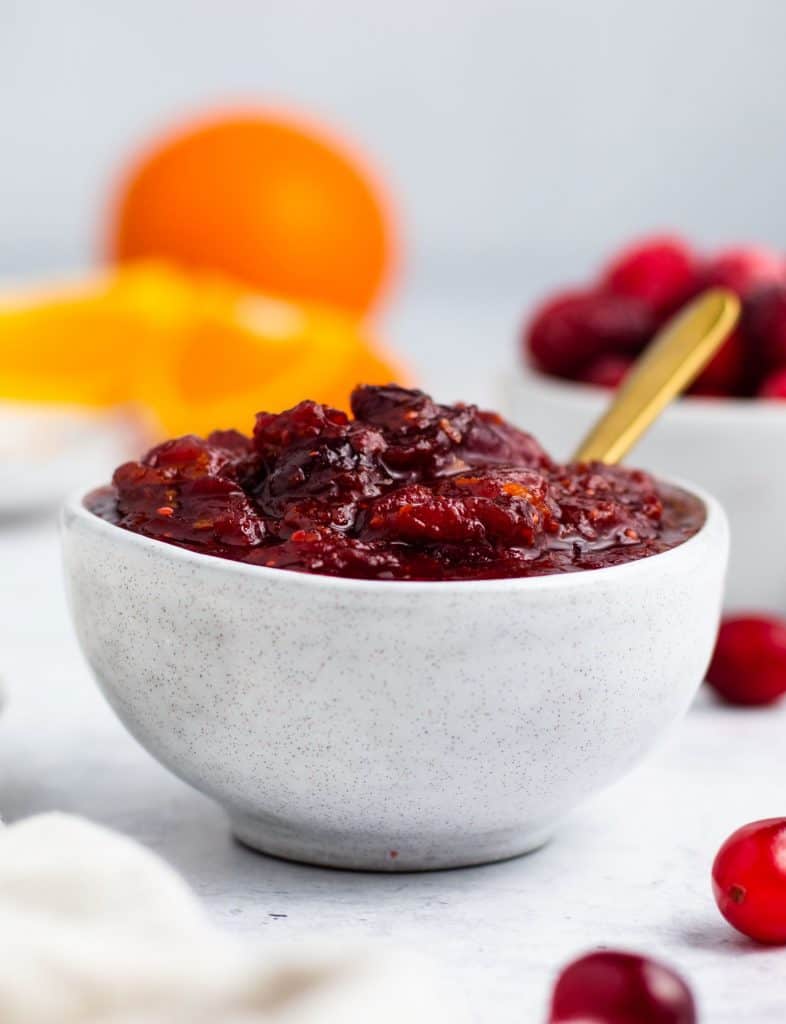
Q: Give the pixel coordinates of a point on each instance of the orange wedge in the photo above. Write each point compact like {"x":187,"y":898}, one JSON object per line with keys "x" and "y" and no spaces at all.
{"x":197,"y":351}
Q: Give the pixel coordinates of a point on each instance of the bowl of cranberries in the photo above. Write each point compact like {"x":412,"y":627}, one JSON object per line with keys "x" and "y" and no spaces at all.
{"x":400,"y":639}
{"x":727,"y":434}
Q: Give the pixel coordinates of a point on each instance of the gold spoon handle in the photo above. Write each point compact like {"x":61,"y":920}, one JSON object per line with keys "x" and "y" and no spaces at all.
{"x":674,"y":359}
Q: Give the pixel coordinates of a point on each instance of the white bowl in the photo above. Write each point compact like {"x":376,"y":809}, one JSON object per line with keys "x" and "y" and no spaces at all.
{"x":392,"y":725}
{"x":734,"y":448}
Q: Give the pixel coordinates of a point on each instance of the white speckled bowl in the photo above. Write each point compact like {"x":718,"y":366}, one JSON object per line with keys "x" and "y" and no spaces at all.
{"x":733,"y":447}
{"x":392,"y":725}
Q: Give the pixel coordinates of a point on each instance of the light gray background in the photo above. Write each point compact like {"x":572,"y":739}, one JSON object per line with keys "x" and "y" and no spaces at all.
{"x":523,"y":139}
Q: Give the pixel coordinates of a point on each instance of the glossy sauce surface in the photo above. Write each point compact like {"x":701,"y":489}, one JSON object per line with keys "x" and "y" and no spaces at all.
{"x":406,"y":489}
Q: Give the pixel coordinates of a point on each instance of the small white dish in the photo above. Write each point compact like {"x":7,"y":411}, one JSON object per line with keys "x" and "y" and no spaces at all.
{"x":392,"y":725}
{"x":733,"y":447}
{"x":47,"y":449}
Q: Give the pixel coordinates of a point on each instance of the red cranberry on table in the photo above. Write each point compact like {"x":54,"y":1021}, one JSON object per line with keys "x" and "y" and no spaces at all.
{"x":611,"y":987}
{"x":749,"y":880}
{"x":661,"y":272}
{"x":749,"y":663}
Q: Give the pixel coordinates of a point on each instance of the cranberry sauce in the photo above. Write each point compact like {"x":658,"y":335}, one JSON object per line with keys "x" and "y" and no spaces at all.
{"x":407,"y":489}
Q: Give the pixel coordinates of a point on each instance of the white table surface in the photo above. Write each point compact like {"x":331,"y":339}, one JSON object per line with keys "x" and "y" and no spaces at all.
{"x":630,"y":870}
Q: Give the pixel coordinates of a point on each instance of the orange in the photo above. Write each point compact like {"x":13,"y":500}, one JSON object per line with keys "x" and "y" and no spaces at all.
{"x":275,"y":204}
{"x":237,"y":352}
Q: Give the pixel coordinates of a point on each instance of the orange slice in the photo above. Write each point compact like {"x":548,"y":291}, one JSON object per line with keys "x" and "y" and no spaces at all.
{"x":197,"y":351}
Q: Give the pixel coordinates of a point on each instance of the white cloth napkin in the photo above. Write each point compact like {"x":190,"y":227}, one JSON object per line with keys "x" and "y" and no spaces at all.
{"x":94,"y":929}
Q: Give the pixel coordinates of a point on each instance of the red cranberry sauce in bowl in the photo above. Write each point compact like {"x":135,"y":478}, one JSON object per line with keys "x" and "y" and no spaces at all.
{"x":406,"y":489}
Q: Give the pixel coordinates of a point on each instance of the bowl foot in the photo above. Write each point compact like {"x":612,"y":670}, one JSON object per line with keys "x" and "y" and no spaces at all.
{"x":366,"y":852}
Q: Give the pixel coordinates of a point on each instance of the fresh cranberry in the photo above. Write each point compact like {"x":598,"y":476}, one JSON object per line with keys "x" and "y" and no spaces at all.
{"x":774,"y":386}
{"x":765,"y":324}
{"x":620,"y":988}
{"x":749,"y":663}
{"x":607,"y":371}
{"x":661,"y":272}
{"x":744,"y":269}
{"x":575,"y":327}
{"x":749,"y":880}
{"x":725,"y":372}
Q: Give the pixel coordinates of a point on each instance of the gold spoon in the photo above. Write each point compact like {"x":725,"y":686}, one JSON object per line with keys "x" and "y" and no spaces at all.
{"x":671,"y":362}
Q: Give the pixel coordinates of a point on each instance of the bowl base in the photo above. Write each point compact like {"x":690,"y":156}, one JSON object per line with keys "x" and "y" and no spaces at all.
{"x":358,"y":852}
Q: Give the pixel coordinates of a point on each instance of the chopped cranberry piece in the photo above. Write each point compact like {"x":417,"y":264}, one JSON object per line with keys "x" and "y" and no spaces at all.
{"x":276,"y":432}
{"x":749,"y":880}
{"x":607,"y":501}
{"x":490,"y":441}
{"x":422,"y":437}
{"x":512,"y":506}
{"x":749,"y":663}
{"x":571,"y":330}
{"x":661,"y":272}
{"x":327,"y":552}
{"x":199,"y":511}
{"x":610,"y":987}
{"x":189,"y":457}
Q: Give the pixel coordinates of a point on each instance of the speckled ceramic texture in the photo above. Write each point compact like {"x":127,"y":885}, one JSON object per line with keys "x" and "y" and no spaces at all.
{"x":392,"y":725}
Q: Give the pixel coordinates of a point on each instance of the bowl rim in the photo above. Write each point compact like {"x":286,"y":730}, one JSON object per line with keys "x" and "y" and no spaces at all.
{"x":689,"y":408}
{"x":715,"y":520}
